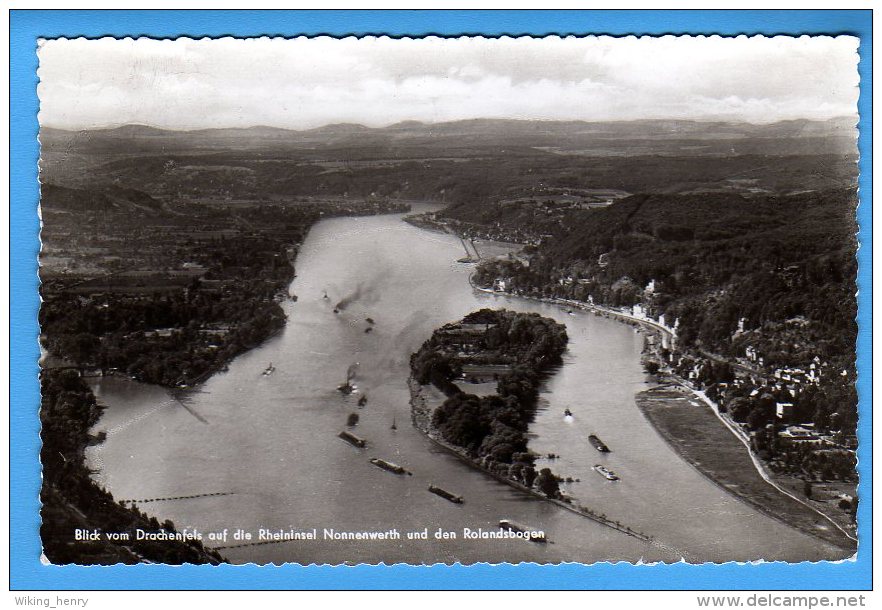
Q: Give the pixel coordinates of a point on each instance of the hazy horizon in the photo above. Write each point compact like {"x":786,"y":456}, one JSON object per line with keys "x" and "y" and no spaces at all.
{"x":307,"y":83}
{"x":430,"y":123}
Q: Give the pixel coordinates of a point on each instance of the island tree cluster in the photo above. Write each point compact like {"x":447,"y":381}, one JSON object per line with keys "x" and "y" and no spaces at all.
{"x":514,"y":350}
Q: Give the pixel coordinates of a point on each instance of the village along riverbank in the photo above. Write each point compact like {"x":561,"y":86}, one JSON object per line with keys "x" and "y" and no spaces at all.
{"x":707,"y":438}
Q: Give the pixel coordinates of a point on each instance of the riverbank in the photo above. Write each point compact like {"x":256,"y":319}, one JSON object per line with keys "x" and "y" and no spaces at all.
{"x":693,"y":431}
{"x":779,"y":482}
{"x":749,"y":481}
{"x":424,"y":400}
{"x":422,"y":221}
{"x":74,"y":504}
{"x":206,"y":289}
{"x":595,"y":309}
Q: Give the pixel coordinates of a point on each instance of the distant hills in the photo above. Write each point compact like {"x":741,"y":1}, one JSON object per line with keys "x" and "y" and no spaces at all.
{"x":666,"y":136}
{"x":644,"y":127}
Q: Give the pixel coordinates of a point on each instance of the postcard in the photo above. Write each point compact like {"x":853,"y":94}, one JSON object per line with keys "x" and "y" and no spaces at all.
{"x":348,"y":301}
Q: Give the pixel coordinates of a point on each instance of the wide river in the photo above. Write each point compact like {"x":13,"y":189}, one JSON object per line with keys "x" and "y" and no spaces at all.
{"x":269,"y":443}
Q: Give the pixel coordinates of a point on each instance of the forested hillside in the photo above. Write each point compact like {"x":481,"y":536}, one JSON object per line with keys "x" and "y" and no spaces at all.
{"x":774,"y":273}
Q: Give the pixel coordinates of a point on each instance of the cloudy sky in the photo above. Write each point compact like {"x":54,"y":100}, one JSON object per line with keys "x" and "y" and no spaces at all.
{"x":304,"y":83}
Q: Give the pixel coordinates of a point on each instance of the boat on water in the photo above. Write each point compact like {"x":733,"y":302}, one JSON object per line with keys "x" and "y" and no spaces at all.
{"x":347,"y":387}
{"x":369,"y":320}
{"x":363,"y":400}
{"x":369,"y":329}
{"x":394,"y":426}
{"x":269,"y":370}
{"x":390,"y":466}
{"x":352,"y":439}
{"x":598,"y":444}
{"x":532,"y":533}
{"x":608,"y":474}
{"x":447,"y":495}
{"x":568,"y":413}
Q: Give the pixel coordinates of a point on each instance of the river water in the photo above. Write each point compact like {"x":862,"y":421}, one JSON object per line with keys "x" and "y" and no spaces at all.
{"x":269,"y":442}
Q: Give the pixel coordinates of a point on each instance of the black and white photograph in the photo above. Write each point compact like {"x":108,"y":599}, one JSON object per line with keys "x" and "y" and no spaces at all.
{"x":463,"y":300}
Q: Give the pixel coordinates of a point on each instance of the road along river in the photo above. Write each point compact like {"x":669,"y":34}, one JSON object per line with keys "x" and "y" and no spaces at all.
{"x":269,"y":444}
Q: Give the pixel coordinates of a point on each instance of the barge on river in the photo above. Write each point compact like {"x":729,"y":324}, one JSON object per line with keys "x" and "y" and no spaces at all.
{"x":598,"y":444}
{"x":390,"y":466}
{"x":352,"y":439}
{"x":531,"y":533}
{"x":447,"y":495}
{"x":606,"y":473}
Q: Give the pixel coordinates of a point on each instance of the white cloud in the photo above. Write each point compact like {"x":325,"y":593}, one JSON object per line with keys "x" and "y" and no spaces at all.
{"x":303,"y":83}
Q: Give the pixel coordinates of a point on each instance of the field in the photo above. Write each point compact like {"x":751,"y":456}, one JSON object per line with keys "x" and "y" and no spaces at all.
{"x":697,"y":435}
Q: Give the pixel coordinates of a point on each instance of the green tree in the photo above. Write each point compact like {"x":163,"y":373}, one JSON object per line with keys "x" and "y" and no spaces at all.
{"x":547,"y":483}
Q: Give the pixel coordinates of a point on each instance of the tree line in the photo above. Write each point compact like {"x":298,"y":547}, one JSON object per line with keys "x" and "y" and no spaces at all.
{"x":493,"y":429}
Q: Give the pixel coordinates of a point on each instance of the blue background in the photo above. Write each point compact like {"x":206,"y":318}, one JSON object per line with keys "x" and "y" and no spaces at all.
{"x":26,"y":27}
